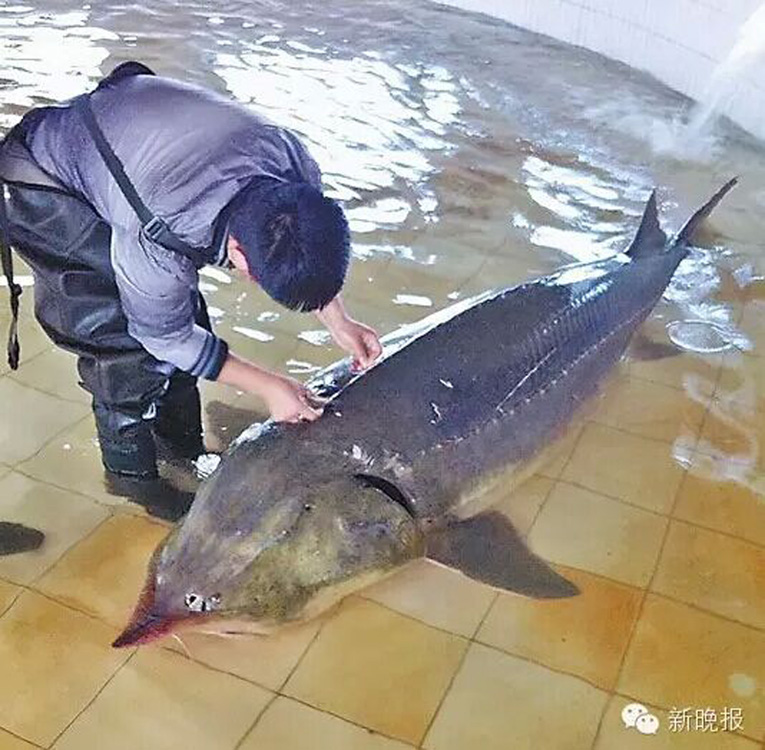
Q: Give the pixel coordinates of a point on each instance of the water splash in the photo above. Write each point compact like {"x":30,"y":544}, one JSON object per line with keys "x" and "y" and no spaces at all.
{"x":729,"y":74}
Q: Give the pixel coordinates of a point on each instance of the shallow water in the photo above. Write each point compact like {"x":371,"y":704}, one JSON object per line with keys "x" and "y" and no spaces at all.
{"x":469,"y":155}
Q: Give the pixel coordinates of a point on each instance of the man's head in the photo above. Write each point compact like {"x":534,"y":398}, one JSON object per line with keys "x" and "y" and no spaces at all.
{"x":292,"y":240}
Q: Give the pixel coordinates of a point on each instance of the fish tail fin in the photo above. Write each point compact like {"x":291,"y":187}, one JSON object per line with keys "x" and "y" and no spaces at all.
{"x":650,"y":238}
{"x":685,"y":235}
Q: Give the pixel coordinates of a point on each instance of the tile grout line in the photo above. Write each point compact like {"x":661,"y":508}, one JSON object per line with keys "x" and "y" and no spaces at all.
{"x":12,"y":376}
{"x":261,"y":713}
{"x":643,"y":599}
{"x":93,"y":699}
{"x":345,"y":719}
{"x":18,"y":736}
{"x":32,"y":584}
{"x":53,"y":437}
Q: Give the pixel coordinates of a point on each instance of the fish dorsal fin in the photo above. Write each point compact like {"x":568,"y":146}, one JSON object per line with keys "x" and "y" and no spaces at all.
{"x":650,"y":238}
{"x":488,"y":549}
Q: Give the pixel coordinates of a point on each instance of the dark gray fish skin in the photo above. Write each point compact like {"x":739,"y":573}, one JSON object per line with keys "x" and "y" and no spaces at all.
{"x":472,"y":390}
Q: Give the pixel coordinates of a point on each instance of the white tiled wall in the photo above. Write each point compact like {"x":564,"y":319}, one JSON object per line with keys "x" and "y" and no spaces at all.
{"x":680,"y":42}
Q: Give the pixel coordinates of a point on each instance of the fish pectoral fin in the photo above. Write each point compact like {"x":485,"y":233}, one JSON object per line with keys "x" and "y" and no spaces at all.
{"x":488,"y":549}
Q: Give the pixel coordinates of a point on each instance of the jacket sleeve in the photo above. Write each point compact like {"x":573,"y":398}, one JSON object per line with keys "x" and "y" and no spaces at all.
{"x":159,"y":294}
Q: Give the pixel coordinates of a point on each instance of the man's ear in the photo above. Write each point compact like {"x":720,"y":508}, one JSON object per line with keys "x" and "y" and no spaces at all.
{"x":236,"y":255}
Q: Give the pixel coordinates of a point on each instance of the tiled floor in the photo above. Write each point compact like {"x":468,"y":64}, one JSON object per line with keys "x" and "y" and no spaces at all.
{"x":654,"y":506}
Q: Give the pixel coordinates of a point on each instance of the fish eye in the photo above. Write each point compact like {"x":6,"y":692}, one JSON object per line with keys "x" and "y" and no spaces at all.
{"x":197,"y":603}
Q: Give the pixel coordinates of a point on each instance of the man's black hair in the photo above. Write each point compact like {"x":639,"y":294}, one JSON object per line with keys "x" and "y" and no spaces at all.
{"x":296,"y":242}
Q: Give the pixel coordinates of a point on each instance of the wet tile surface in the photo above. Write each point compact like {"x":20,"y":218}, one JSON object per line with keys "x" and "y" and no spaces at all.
{"x":585,"y":635}
{"x":9,"y":742}
{"x":523,"y":504}
{"x":704,"y":568}
{"x":723,"y":496}
{"x":379,"y":669}
{"x":614,"y":735}
{"x":265,"y":660}
{"x":630,"y":468}
{"x":436,"y":596}
{"x":681,"y":656}
{"x":64,"y":517}
{"x":162,"y":701}
{"x":54,"y":662}
{"x":55,"y":373}
{"x":584,"y":530}
{"x":104,"y":574}
{"x":73,"y":461}
{"x":499,"y":701}
{"x":8,"y":592}
{"x":289,"y":725}
{"x":650,"y":410}
{"x":31,"y":419}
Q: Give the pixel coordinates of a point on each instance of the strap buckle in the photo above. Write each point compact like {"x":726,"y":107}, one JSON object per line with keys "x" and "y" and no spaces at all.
{"x":155,"y":229}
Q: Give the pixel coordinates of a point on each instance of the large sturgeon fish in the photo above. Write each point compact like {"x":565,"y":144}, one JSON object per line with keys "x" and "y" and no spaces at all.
{"x":298,"y":516}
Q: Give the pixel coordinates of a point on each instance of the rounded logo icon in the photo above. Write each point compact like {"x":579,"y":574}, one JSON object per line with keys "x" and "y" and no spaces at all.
{"x":647,"y":724}
{"x":631,"y":712}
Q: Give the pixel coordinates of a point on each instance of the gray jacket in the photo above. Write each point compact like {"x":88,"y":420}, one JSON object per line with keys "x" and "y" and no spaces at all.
{"x":188,"y":151}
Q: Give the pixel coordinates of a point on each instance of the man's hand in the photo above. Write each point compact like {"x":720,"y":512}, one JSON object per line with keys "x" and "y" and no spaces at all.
{"x":290,"y":401}
{"x":359,"y":340}
{"x":287,"y":399}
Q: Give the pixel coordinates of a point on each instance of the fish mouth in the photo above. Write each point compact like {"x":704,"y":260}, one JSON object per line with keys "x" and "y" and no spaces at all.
{"x":144,"y":630}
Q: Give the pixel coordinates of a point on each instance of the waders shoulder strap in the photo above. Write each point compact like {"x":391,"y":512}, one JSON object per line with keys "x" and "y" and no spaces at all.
{"x":154,"y":227}
{"x":14,"y":350}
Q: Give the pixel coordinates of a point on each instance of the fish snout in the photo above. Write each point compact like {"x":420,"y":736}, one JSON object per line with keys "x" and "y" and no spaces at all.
{"x":143,"y":630}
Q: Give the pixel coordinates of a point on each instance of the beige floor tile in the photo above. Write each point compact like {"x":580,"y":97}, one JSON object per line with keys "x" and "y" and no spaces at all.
{"x":579,"y":528}
{"x":522,"y":505}
{"x":55,"y":372}
{"x":615,"y":736}
{"x":735,"y":430}
{"x":31,"y":419}
{"x":683,"y":657}
{"x":556,"y":456}
{"x":289,"y":725}
{"x":31,"y":337}
{"x":54,"y":661}
{"x":499,"y":702}
{"x":436,"y":596}
{"x":9,"y":742}
{"x":586,"y":635}
{"x":379,"y":669}
{"x":8,"y":592}
{"x":64,"y":517}
{"x":742,"y":379}
{"x":266,"y":660}
{"x":73,"y":461}
{"x":650,"y":409}
{"x":753,"y":325}
{"x":628,"y":467}
{"x":722,"y":496}
{"x":682,"y":370}
{"x":104,"y":574}
{"x":161,"y":701}
{"x":714,"y":572}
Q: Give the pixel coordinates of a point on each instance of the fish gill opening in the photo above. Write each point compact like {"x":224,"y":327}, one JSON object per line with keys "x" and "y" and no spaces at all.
{"x":389,"y":489}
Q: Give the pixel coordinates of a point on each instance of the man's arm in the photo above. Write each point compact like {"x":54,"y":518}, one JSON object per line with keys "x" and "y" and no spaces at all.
{"x":158,"y":291}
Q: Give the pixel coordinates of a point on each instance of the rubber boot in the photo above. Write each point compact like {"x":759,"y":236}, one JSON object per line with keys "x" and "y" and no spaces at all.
{"x":127,"y":443}
{"x":178,"y":424}
{"x":16,"y":538}
{"x":160,"y":498}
